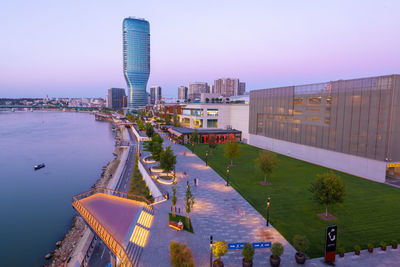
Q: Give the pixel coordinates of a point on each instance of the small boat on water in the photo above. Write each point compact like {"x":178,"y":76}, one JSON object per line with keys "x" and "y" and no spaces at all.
{"x":37,"y":167}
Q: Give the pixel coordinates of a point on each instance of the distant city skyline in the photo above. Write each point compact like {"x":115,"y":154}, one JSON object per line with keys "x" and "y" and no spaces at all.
{"x":74,"y":49}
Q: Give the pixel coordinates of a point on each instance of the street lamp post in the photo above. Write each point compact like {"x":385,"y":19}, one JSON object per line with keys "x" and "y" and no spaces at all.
{"x":206,"y":158}
{"x":227,"y":176}
{"x":268,"y":203}
{"x":211,"y":244}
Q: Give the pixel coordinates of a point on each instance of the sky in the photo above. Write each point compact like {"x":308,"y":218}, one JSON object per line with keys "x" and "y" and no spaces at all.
{"x":74,"y":48}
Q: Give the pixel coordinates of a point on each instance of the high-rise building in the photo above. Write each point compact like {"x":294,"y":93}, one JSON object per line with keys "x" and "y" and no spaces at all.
{"x":348,"y":125}
{"x":227,"y":87}
{"x":242,"y":88}
{"x":182,"y":92}
{"x":116,"y":98}
{"x":195,"y":90}
{"x":155,"y":94}
{"x":136,"y":53}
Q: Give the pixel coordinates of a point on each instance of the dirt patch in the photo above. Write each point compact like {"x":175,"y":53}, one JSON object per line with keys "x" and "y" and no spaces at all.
{"x":265,"y":234}
{"x":326,"y":218}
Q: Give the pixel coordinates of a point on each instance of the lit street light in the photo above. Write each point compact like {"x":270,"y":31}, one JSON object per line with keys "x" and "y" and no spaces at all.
{"x":227,"y":176}
{"x":268,"y":203}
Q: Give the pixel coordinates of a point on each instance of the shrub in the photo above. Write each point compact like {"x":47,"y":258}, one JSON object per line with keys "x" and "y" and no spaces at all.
{"x":394,"y":243}
{"x":181,"y":256}
{"x":370,"y":245}
{"x":357,"y":248}
{"x":300,"y":243}
{"x":383,"y":244}
{"x":248,"y":252}
{"x":341,"y":250}
{"x":277,"y":249}
{"x":219,"y":249}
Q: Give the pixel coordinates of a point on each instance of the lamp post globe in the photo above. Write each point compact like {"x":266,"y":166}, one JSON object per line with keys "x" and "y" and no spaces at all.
{"x":227,"y":176}
{"x":268,"y":204}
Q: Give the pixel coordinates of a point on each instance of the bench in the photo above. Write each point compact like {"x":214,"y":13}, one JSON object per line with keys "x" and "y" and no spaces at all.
{"x":175,"y":226}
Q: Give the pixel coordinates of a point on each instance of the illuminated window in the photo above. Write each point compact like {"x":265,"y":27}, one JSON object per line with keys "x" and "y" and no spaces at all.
{"x":314,"y":100}
{"x":313,"y":118}
{"x":297,"y":112}
{"x":212,"y":112}
{"x":329,"y":100}
{"x":314,"y":109}
{"x":298,"y":101}
{"x":327,"y":120}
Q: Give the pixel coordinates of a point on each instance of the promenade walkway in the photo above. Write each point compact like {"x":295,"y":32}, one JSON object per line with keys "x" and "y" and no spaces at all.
{"x":218,"y":211}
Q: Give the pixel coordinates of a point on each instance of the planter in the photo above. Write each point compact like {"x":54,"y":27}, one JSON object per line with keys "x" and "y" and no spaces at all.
{"x":246,"y":263}
{"x":274,"y":261}
{"x":300,"y":258}
{"x":394,"y":246}
{"x":341,"y":254}
{"x":370,"y":250}
{"x":383,"y":248}
{"x":218,"y":263}
{"x":357,"y":252}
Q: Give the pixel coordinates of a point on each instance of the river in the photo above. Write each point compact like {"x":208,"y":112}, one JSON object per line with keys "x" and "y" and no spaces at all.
{"x":35,"y":206}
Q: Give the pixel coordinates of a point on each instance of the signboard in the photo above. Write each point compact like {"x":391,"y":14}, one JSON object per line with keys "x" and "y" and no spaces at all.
{"x":330,"y":243}
{"x":393,"y":165}
{"x":255,"y":245}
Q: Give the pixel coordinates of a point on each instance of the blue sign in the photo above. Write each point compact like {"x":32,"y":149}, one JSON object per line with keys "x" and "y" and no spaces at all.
{"x":235,"y":245}
{"x":262,"y":245}
{"x":255,"y":245}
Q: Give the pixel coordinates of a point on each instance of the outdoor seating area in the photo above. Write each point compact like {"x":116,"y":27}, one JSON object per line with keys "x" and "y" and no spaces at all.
{"x":176,"y":226}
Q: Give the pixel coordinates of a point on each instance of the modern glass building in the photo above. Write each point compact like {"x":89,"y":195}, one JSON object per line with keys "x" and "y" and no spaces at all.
{"x":349,"y":125}
{"x":136,"y":53}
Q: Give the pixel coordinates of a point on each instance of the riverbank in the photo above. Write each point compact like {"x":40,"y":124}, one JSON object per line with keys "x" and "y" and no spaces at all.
{"x":67,"y":248}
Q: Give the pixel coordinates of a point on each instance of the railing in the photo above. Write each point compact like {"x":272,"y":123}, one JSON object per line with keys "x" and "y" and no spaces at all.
{"x":105,"y":234}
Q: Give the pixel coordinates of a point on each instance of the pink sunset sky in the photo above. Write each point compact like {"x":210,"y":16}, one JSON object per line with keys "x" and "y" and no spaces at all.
{"x":74,"y":48}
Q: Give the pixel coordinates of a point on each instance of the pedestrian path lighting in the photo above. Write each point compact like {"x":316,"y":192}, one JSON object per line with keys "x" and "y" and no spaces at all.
{"x":206,"y":158}
{"x":227,"y":176}
{"x":268,"y":203}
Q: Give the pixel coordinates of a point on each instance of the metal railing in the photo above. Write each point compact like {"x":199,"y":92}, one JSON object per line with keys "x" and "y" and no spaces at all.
{"x":105,"y":234}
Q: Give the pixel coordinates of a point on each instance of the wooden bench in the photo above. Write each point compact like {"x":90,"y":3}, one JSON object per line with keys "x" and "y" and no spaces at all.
{"x":175,"y":226}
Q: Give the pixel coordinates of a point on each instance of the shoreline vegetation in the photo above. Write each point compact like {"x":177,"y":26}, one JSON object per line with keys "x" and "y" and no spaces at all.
{"x":66,"y":246}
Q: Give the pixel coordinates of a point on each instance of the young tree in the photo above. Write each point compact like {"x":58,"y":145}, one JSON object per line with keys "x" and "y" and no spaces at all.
{"x":328,"y":189}
{"x":194,"y":138}
{"x":189,"y":202}
{"x":149,"y":129}
{"x":212,"y":145}
{"x":168,"y":119}
{"x":150,"y":114}
{"x":266,"y":162}
{"x":140,"y":124}
{"x":174,"y":199}
{"x":176,"y":121}
{"x":156,"y":146}
{"x":167,"y":160}
{"x":207,"y":100}
{"x":232,"y":150}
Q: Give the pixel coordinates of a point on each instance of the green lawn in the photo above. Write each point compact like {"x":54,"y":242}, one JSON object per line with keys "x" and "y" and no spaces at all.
{"x":370,"y":213}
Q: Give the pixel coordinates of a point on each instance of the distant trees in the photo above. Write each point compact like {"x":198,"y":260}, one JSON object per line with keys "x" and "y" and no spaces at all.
{"x":140,"y":124}
{"x":149,"y":129}
{"x":168,"y":119}
{"x":150,"y":114}
{"x":266,"y":163}
{"x":194,"y":138}
{"x":167,"y":160}
{"x":328,"y":189}
{"x":232,"y":150}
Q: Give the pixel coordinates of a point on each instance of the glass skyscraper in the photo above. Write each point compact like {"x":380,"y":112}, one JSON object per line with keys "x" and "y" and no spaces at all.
{"x":136,"y":49}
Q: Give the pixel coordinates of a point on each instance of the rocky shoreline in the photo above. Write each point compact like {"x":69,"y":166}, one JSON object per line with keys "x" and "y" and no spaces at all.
{"x":65,"y":248}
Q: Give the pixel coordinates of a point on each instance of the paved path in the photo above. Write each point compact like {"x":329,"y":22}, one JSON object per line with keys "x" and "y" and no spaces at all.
{"x":218,"y":211}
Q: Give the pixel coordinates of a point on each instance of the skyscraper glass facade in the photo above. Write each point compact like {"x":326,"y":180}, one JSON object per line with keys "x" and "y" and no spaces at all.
{"x":136,"y":53}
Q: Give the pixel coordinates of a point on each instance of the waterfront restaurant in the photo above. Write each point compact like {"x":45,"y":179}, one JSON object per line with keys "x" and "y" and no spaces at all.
{"x":182,"y":135}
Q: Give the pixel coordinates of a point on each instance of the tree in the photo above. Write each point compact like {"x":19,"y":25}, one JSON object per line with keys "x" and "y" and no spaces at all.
{"x":266,"y":162}
{"x":207,"y":100}
{"x":149,"y":129}
{"x":212,"y":100}
{"x":189,"y":202}
{"x":232,"y":150}
{"x":174,"y":199}
{"x":181,"y":256}
{"x":194,"y":138}
{"x":156,"y":147}
{"x":150,"y":114}
{"x":176,"y":121}
{"x":219,"y":249}
{"x":212,"y":145}
{"x":168,"y":119}
{"x":328,"y":189}
{"x":167,"y":160}
{"x":140,"y":124}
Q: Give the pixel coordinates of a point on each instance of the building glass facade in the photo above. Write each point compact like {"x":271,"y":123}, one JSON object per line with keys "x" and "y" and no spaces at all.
{"x":136,"y":57}
{"x":359,"y":117}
